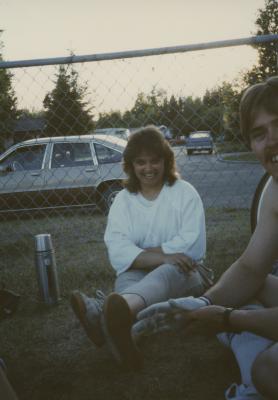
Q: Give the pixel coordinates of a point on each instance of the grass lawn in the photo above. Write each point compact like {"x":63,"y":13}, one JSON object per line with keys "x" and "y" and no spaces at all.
{"x":47,"y":353}
{"x":240,"y":157}
{"x":231,"y":147}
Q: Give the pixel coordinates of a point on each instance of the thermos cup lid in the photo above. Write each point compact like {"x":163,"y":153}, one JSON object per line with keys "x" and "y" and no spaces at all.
{"x":43,"y":242}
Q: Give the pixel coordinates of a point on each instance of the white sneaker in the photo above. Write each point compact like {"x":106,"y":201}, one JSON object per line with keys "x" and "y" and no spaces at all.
{"x":88,"y":310}
{"x":242,"y":392}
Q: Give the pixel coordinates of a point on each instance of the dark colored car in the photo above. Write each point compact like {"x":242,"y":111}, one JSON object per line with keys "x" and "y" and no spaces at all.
{"x":69,"y":171}
{"x":199,"y":141}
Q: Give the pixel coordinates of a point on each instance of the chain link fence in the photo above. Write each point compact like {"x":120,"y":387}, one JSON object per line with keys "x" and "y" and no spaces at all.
{"x":65,"y":186}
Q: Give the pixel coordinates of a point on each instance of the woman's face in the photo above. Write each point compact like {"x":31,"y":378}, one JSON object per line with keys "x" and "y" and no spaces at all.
{"x":149,"y":170}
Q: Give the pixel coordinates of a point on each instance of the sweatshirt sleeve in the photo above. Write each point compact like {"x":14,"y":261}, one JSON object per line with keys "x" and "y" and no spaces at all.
{"x":121,"y":249}
{"x":191,"y":233}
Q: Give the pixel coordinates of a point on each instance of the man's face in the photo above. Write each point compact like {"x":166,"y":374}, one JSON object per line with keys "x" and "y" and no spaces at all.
{"x":264,"y":140}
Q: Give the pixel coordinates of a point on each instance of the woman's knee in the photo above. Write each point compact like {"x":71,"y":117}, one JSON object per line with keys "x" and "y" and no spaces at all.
{"x":265,"y":372}
{"x":180,"y":283}
{"x":127,"y":279}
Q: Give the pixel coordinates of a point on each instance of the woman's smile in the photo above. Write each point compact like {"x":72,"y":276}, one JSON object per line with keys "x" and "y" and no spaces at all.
{"x":149,"y":170}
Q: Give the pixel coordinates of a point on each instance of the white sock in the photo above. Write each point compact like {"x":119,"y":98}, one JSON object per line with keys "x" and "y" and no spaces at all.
{"x":246,"y":346}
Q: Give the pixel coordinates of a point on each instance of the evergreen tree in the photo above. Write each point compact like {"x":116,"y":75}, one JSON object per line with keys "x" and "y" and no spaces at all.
{"x":221,"y":115}
{"x":112,"y":119}
{"x":66,"y":111}
{"x":8,"y":104}
{"x":267,"y":23}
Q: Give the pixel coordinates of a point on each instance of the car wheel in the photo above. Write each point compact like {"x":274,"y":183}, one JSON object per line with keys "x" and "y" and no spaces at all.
{"x":108,"y":196}
{"x":257,"y":200}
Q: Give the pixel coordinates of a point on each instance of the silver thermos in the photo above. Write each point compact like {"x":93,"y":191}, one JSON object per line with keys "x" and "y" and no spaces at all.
{"x":45,"y":262}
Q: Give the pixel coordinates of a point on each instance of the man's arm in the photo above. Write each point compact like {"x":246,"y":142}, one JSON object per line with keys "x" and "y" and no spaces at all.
{"x":246,"y":277}
{"x":237,"y":286}
{"x":263,"y":322}
{"x":268,"y":295}
{"x":213,"y":319}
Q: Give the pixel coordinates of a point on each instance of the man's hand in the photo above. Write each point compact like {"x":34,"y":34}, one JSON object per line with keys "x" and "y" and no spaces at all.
{"x":185,"y":263}
{"x":205,"y":321}
{"x":165,"y":316}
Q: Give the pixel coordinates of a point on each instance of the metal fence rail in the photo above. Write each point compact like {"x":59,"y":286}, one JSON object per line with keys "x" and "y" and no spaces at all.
{"x":53,"y":186}
{"x":253,"y":40}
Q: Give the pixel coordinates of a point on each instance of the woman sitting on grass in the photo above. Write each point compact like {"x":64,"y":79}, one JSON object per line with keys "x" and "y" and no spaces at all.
{"x":156,"y":242}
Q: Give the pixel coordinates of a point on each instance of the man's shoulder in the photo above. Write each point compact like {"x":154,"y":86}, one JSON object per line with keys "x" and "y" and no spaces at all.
{"x":270,"y":200}
{"x":273,"y":194}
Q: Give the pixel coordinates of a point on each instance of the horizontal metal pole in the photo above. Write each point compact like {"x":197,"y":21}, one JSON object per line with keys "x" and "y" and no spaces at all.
{"x":252,"y":40}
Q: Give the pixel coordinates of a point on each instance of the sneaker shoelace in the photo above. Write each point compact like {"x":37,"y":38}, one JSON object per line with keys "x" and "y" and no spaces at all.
{"x":99,"y":299}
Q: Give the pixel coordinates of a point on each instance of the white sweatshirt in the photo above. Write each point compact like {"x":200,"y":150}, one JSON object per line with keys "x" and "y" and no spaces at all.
{"x":175,"y":221}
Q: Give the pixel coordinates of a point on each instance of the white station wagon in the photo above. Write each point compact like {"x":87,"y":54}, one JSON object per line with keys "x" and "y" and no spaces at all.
{"x":68,"y":171}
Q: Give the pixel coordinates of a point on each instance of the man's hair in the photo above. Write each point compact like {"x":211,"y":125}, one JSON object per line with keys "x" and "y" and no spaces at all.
{"x":259,"y":96}
{"x":151,"y":141}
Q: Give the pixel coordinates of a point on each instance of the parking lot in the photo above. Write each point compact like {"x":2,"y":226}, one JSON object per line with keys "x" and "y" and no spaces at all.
{"x":229,"y":184}
{"x":220,"y":183}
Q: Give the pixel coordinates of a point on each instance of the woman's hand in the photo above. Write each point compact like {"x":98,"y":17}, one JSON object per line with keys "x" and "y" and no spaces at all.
{"x":185,"y":263}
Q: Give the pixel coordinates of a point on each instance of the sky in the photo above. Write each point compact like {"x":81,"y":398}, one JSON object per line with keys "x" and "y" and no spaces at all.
{"x":40,"y":28}
{"x":54,"y":28}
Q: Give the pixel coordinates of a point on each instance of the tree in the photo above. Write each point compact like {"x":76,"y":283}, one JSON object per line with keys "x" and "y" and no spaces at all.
{"x":66,"y":111}
{"x":170,"y":113}
{"x":110,"y":120}
{"x":8,"y":104}
{"x":146,"y":109}
{"x":191,"y":115}
{"x":221,"y":110}
{"x":267,"y":23}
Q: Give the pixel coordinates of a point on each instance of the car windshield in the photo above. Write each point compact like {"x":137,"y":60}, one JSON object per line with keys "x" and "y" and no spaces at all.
{"x":29,"y":157}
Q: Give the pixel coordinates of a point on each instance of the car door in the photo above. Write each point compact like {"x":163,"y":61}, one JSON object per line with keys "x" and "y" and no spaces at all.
{"x":72,"y":174}
{"x":22,"y":177}
{"x":109,"y":160}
